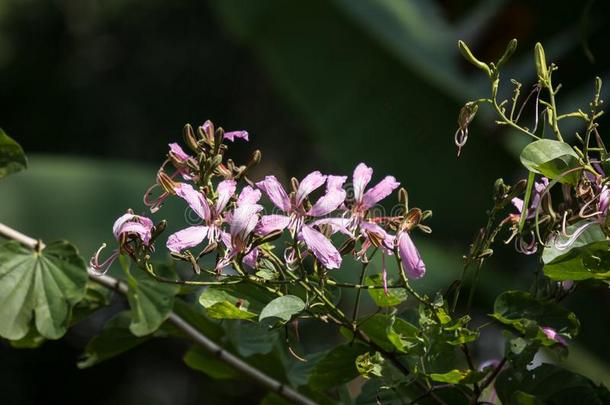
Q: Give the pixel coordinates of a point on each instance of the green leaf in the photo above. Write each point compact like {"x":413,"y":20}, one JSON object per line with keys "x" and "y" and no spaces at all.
{"x":452,"y":377}
{"x":197,"y":359}
{"x":337,"y":367}
{"x":526,"y":314}
{"x":389,"y":332}
{"x":548,"y":384}
{"x":394,"y":296}
{"x":370,"y":365}
{"x":151,"y":301}
{"x":250,"y":338}
{"x":282,"y":307}
{"x":219,"y":304}
{"x":12,"y":158}
{"x":114,"y":339}
{"x":551,"y":159}
{"x":39,"y":288}
{"x":587,"y":257}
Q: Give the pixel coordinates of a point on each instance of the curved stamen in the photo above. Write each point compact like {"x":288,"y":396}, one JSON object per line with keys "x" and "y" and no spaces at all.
{"x":572,"y":239}
{"x":102,"y":268}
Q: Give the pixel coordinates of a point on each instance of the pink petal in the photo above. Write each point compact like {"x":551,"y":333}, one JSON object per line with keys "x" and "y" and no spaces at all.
{"x":244,"y":220}
{"x":336,"y":225}
{"x":231,"y":136}
{"x":328,"y":202}
{"x":195,"y":200}
{"x":321,"y":247}
{"x":250,"y":259}
{"x":334,"y":182}
{"x":553,"y":335}
{"x":186,"y":238}
{"x":225,"y":190}
{"x":275,"y":192}
{"x":362,"y":177}
{"x":177,"y":151}
{"x":248,"y":195}
{"x":135,"y":224}
{"x":518,"y":203}
{"x":311,"y":182}
{"x":379,"y":233}
{"x":383,"y":189}
{"x":411,"y":260}
{"x":272,"y":223}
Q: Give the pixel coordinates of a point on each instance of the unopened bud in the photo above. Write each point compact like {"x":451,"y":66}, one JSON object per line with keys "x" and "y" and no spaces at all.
{"x":206,"y":131}
{"x":541,"y":66}
{"x":215,"y":161}
{"x":508,"y":52}
{"x":256,"y":158}
{"x":295,"y":184}
{"x":470,"y":58}
{"x":189,"y":137}
{"x":412,"y":218}
{"x":166,"y":182}
{"x":403,"y":197}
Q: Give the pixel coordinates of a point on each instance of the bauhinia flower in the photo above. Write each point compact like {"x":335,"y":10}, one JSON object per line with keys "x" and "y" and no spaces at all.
{"x":552,"y":334}
{"x":364,"y":200}
{"x":295,"y":213}
{"x":242,"y":222}
{"x":128,"y":227}
{"x":212,"y":216}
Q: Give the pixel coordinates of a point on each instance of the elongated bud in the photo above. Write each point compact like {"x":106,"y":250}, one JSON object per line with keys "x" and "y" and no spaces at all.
{"x":208,"y":249}
{"x":470,"y":58}
{"x":267,"y":238}
{"x":166,"y":182}
{"x":219,"y":136}
{"x":412,"y":219}
{"x":215,"y":161}
{"x":206,"y":132}
{"x":508,"y":52}
{"x":189,"y":137}
{"x":348,"y":246}
{"x":500,"y":189}
{"x":403,"y":198}
{"x":256,"y":158}
{"x":295,"y":184}
{"x":541,"y":66}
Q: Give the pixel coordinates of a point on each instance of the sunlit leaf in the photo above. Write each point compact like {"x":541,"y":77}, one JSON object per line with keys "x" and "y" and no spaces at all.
{"x":283,"y":307}
{"x":394,"y":296}
{"x":551,"y":159}
{"x":39,"y":288}
{"x":12,"y":158}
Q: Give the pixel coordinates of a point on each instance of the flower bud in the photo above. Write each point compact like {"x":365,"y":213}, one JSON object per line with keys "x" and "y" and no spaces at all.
{"x":470,"y":58}
{"x":166,"y":182}
{"x":510,"y":49}
{"x":541,"y":66}
{"x":189,"y":137}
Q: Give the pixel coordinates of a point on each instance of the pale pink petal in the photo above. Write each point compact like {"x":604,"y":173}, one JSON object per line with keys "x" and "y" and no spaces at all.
{"x":362,"y":177}
{"x":250,"y":259}
{"x":272,"y":223}
{"x":311,"y":182}
{"x":178,"y":152}
{"x":187,"y":238}
{"x":244,"y":220}
{"x":276,"y":193}
{"x":518,"y":203}
{"x":225,"y":190}
{"x":334,"y":182}
{"x":387,"y":240}
{"x":336,"y":225}
{"x":321,"y":247}
{"x":248,"y":195}
{"x":195,"y":199}
{"x":383,"y":189}
{"x":553,"y":335}
{"x":411,"y":260}
{"x":135,"y":224}
{"x":225,"y":237}
{"x":231,"y":136}
{"x":328,"y":202}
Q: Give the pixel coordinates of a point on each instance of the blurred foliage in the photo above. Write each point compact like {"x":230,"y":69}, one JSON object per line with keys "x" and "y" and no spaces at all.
{"x":332,"y":83}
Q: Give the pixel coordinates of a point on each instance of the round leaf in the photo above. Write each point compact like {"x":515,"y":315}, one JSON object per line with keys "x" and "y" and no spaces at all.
{"x":282,"y":307}
{"x":40,"y":288}
{"x":551,"y":159}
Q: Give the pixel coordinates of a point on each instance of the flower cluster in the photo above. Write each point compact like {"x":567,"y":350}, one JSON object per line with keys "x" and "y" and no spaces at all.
{"x":231,"y":221}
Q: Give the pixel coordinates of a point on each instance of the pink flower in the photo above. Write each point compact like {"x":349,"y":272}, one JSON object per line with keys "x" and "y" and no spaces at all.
{"x":553,"y":335}
{"x":409,"y":255}
{"x":295,"y":212}
{"x":128,"y":227}
{"x":366,"y":200}
{"x":539,"y":189}
{"x":211,"y":215}
{"x":242,"y":222}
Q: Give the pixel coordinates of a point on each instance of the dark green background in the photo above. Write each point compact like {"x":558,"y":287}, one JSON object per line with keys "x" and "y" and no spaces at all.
{"x":94,"y":91}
